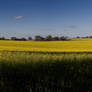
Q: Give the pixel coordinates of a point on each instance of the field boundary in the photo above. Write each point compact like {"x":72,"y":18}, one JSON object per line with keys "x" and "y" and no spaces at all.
{"x":41,"y":52}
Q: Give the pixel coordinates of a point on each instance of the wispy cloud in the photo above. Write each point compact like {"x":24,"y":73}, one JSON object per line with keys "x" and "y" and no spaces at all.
{"x":18,"y":17}
{"x":71,"y":26}
{"x":47,"y":29}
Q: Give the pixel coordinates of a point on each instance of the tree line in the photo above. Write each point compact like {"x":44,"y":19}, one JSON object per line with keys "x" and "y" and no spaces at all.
{"x":84,"y":37}
{"x":38,"y":38}
{"x":41,"y":38}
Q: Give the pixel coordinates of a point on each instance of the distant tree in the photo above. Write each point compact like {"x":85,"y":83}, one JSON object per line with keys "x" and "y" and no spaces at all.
{"x":49,"y":38}
{"x":2,"y":38}
{"x":56,"y":38}
{"x":87,"y":37}
{"x":23,"y":39}
{"x":29,"y":38}
{"x":42,"y":39}
{"x":78,"y":37}
{"x":63,"y":38}
{"x":90,"y":37}
{"x":13,"y":38}
{"x":18,"y":39}
{"x":39,"y":38}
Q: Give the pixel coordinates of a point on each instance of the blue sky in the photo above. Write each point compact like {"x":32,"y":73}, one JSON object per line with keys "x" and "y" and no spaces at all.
{"x":42,"y":17}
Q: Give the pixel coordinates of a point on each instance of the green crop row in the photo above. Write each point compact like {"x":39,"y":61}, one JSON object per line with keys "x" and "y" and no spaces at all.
{"x":31,"y":72}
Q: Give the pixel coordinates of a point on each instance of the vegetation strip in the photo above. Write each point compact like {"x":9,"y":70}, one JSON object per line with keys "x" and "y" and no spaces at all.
{"x":31,"y":72}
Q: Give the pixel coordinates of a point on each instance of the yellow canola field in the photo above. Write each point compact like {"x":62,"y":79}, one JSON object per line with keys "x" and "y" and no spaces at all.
{"x":74,"y":45}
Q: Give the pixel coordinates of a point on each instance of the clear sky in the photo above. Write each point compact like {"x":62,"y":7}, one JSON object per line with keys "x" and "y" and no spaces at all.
{"x":43,"y":17}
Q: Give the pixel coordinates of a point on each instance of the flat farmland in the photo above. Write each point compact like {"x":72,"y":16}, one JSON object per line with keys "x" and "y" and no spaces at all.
{"x":73,"y":45}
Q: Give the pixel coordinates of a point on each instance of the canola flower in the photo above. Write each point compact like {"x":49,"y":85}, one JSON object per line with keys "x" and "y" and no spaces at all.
{"x":74,"y":45}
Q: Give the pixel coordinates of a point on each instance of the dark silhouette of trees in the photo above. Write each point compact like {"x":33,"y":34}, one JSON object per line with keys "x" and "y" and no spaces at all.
{"x":89,"y":36}
{"x":78,"y":37}
{"x":63,"y":38}
{"x":22,"y":39}
{"x":29,"y":38}
{"x":2,"y":38}
{"x":13,"y":38}
{"x":18,"y":39}
{"x":39,"y":38}
{"x":84,"y":37}
{"x":49,"y":38}
{"x":56,"y":38}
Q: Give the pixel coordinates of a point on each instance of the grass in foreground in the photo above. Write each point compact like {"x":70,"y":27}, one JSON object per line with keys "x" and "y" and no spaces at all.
{"x":25,"y":72}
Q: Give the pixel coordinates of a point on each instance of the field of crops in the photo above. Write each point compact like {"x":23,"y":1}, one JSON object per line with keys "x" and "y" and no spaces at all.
{"x":74,"y":45}
{"x":30,"y":66}
{"x":35,"y":72}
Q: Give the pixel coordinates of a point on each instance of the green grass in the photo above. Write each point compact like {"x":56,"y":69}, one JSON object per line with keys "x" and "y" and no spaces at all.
{"x":35,"y":72}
